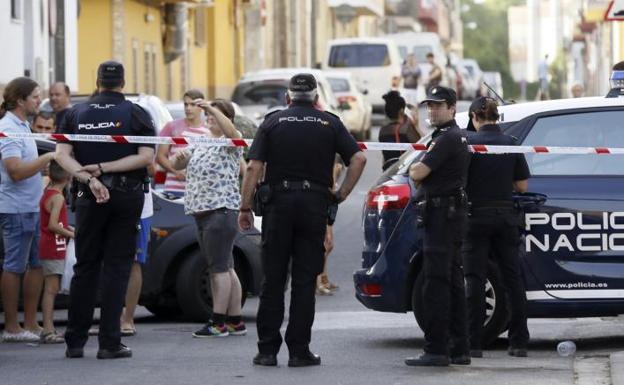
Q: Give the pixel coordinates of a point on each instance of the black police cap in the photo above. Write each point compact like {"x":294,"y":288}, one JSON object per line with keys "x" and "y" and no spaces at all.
{"x":441,"y":94}
{"x":111,"y":71}
{"x":302,"y":83}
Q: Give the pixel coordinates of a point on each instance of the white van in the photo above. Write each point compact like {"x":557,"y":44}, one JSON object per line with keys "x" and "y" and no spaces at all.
{"x":374,"y":63}
{"x":420,"y":44}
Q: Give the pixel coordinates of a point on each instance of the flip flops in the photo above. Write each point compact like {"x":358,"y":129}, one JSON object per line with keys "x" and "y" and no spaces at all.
{"x":128,"y":332}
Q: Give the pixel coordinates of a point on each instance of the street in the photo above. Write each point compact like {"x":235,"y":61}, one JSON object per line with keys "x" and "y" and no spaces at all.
{"x":357,"y":346}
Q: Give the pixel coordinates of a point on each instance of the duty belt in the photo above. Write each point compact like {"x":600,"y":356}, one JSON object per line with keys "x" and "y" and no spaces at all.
{"x":456,"y":199}
{"x":121,"y":182}
{"x":302,"y":185}
{"x":492,"y":205}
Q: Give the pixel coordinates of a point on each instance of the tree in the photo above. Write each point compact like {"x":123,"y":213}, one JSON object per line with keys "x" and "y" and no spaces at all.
{"x":486,"y":37}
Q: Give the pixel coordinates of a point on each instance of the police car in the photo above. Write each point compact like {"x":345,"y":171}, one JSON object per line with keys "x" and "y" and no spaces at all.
{"x":572,"y":244}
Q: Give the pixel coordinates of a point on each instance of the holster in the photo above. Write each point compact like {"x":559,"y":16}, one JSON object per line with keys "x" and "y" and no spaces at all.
{"x":262,"y":197}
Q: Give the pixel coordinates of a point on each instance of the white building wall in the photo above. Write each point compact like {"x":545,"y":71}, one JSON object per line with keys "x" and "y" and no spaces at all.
{"x":12,"y":45}
{"x":71,"y":43}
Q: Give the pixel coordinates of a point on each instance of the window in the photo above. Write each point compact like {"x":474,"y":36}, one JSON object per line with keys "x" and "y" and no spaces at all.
{"x":339,"y":84}
{"x":200,"y":27}
{"x":263,"y":93}
{"x":16,"y":9}
{"x":147,"y":75}
{"x":359,"y":55}
{"x":591,"y":129}
{"x":135,"y":66}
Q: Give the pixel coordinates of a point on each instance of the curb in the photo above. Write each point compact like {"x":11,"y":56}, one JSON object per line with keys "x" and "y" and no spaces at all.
{"x":617,"y":368}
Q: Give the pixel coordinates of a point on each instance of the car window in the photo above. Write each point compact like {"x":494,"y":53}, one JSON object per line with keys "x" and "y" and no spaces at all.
{"x":272,"y":94}
{"x":339,"y":84}
{"x":590,"y":129}
{"x":359,"y":55}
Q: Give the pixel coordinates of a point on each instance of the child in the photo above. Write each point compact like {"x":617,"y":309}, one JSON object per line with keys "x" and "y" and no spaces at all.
{"x":52,"y":246}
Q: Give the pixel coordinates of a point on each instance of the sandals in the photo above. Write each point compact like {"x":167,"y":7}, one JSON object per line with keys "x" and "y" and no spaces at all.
{"x":52,"y":337}
{"x":128,"y":332}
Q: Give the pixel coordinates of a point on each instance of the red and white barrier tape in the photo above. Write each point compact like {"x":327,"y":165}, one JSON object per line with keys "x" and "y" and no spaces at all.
{"x":373,"y":146}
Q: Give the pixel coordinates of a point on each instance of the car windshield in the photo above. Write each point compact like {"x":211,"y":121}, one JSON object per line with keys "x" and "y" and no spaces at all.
{"x":590,"y":129}
{"x":271,"y":93}
{"x":339,"y":84}
{"x":421,"y":51}
{"x":359,"y":55}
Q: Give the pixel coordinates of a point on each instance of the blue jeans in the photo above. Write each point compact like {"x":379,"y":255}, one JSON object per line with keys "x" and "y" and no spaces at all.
{"x":20,"y":233}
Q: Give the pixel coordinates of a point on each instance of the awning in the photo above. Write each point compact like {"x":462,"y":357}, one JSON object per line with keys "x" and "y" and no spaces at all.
{"x":361,"y":7}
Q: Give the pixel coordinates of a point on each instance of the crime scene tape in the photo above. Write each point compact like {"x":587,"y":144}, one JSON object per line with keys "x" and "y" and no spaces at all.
{"x":372,"y":146}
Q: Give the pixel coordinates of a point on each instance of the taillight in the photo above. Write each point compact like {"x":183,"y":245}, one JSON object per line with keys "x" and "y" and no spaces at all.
{"x":160,"y":177}
{"x":396,"y":81}
{"x":372,"y":289}
{"x":347,"y":99}
{"x":387,"y":197}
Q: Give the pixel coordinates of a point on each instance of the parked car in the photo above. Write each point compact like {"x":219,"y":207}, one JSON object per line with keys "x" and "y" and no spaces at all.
{"x":261,"y":91}
{"x":363,"y":57}
{"x":475,"y":71}
{"x":572,"y":247}
{"x":356,"y":111}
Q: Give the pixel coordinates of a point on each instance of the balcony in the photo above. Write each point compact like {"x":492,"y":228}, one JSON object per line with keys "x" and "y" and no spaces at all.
{"x":360,"y":7}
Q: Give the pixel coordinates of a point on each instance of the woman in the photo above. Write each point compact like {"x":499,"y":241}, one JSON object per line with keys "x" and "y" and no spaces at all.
{"x":213,"y":198}
{"x":400,"y":129}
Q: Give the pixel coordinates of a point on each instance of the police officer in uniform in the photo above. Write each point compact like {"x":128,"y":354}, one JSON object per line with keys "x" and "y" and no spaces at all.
{"x":110,"y":180}
{"x":442,"y":201}
{"x":298,"y":146}
{"x":493,"y":227}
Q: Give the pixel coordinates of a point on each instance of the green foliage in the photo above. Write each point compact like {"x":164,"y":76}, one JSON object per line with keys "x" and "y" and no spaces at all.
{"x":488,"y":43}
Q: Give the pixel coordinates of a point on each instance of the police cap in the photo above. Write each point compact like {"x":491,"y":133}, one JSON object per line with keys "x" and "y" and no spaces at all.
{"x":303,"y":82}
{"x":441,"y":94}
{"x":110,"y":72}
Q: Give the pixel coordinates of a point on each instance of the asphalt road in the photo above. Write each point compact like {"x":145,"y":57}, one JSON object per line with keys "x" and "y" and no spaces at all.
{"x":357,"y":346}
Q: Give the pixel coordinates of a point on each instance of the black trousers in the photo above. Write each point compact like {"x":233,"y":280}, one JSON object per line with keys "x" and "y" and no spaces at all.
{"x":444,"y":293}
{"x":293,"y":231}
{"x":494,"y":232}
{"x":105,"y":249}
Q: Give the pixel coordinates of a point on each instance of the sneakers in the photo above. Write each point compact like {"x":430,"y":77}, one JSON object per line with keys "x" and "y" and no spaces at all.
{"x":236,"y":330}
{"x":212,"y":330}
{"x":23,"y":336}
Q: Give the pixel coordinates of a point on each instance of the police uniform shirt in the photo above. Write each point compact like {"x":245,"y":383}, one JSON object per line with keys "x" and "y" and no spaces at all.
{"x":108,"y":113}
{"x":448,"y":157}
{"x":491,"y":176}
{"x":300,"y":143}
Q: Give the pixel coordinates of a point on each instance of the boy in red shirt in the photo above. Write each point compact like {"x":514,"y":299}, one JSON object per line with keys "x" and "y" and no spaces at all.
{"x":55,"y":231}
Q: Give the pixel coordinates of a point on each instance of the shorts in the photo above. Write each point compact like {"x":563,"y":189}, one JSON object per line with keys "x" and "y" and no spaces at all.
{"x":53,"y":267}
{"x":143,"y":236}
{"x":216,"y":230}
{"x":20,"y":233}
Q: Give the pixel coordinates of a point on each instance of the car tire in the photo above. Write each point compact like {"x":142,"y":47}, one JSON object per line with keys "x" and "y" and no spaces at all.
{"x":496,"y":305}
{"x":193,"y":287}
{"x":161,"y":311}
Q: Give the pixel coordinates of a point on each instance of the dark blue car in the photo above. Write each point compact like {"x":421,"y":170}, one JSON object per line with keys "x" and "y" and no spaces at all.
{"x":572,"y":245}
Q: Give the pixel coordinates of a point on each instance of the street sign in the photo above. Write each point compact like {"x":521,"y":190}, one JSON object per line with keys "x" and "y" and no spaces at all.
{"x":615,"y":11}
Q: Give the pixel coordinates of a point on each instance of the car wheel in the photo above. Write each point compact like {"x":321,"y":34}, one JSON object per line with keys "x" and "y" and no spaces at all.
{"x":496,"y":315}
{"x":193,"y":286}
{"x":162,"y":311}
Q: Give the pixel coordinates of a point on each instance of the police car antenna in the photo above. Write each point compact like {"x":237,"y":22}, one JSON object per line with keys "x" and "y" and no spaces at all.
{"x":503,"y":102}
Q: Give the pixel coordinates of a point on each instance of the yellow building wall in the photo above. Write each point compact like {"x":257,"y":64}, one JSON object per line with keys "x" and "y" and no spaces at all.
{"x":147,"y":37}
{"x":225,"y":43}
{"x":198,"y":54}
{"x":94,"y":41}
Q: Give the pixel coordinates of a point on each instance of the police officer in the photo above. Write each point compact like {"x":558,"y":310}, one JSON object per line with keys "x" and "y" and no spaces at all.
{"x":493,"y":227}
{"x":442,"y":201}
{"x":110,"y":180}
{"x":298,"y":146}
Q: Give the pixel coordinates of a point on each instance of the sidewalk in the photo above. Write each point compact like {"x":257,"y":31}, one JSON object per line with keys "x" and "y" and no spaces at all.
{"x":617,"y":368}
